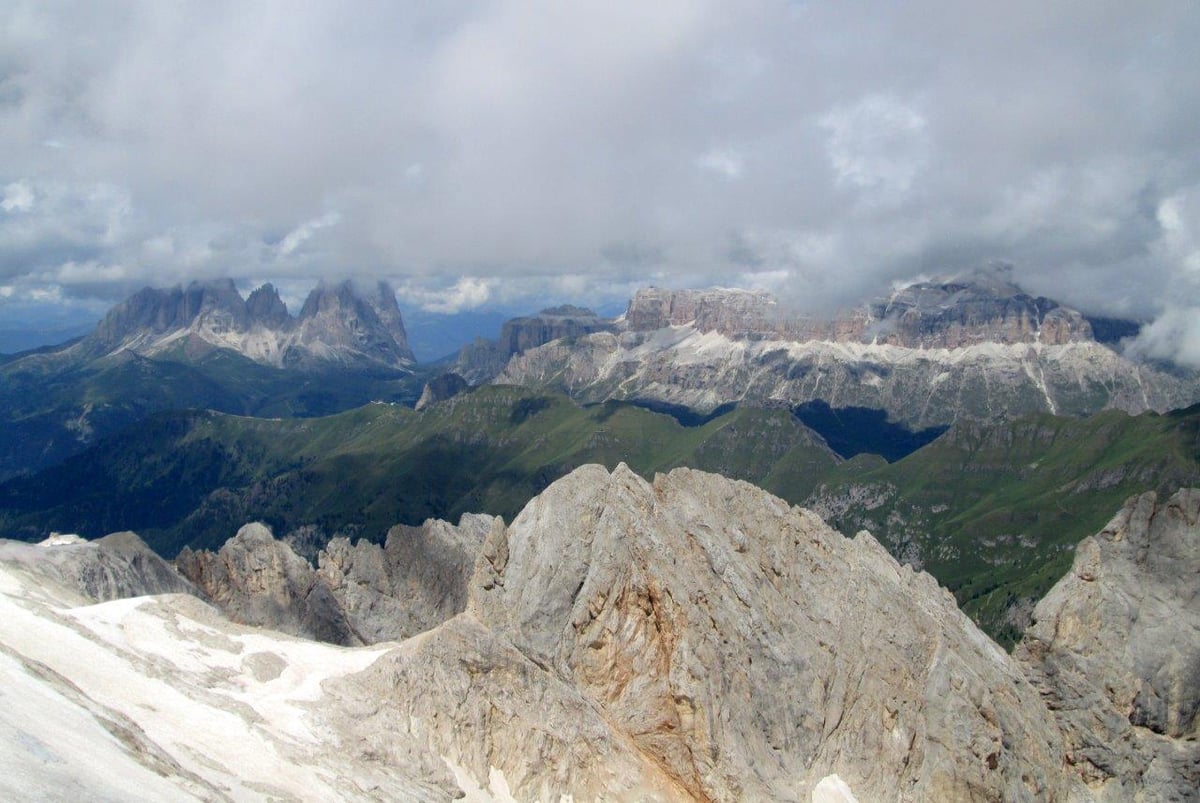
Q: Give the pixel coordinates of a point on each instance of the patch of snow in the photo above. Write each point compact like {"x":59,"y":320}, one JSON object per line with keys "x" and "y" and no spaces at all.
{"x":152,"y":661}
{"x":497,"y":790}
{"x":832,"y":789}
{"x":62,"y":539}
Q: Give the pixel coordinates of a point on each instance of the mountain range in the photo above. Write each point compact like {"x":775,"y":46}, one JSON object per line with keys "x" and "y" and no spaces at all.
{"x":606,"y":619}
{"x":204,"y":347}
{"x":338,"y":324}
{"x":683,"y":639}
{"x":929,"y":354}
{"x":992,"y":510}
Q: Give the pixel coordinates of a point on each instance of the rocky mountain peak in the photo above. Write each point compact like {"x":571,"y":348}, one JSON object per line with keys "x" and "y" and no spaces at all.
{"x":153,"y":311}
{"x":339,"y":323}
{"x":265,"y":308}
{"x":976,"y":308}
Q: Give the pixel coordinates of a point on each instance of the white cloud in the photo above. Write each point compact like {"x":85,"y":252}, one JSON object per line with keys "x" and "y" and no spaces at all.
{"x":621,"y":141}
{"x":18,"y":197}
{"x":467,"y":293}
{"x":1174,"y":336}
{"x":304,"y":232}
{"x":878,"y":144}
{"x":724,"y":162}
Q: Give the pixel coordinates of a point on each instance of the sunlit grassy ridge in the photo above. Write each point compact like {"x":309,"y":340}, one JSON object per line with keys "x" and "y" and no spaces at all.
{"x":992,"y":511}
{"x":192,"y":478}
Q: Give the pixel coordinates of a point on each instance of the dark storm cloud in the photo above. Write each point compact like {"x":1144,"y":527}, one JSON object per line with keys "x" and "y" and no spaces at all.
{"x":479,"y":150}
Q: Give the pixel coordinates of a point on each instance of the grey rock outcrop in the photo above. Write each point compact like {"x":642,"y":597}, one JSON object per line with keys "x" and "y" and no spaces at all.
{"x":483,"y":359}
{"x":751,"y":651}
{"x":339,"y":324}
{"x":1115,"y":650}
{"x":116,"y":566}
{"x":440,"y":388}
{"x":358,"y":594}
{"x":694,"y":638}
{"x":983,"y":307}
{"x":416,"y":581}
{"x":257,"y":580}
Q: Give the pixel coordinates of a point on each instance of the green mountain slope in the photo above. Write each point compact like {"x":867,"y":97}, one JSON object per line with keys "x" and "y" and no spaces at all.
{"x":52,"y":406}
{"x":994,"y":511}
{"x":192,"y":478}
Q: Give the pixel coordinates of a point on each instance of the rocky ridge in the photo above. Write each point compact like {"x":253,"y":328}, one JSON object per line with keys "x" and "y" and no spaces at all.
{"x":930,"y":354}
{"x":338,"y":324}
{"x":693,"y":638}
{"x":357,"y":594}
{"x":967,"y":310}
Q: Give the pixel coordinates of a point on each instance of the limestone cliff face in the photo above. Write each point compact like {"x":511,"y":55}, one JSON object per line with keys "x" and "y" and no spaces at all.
{"x":1115,"y":650}
{"x":751,"y":651}
{"x":730,"y":312}
{"x":929,"y":354}
{"x":931,"y":314}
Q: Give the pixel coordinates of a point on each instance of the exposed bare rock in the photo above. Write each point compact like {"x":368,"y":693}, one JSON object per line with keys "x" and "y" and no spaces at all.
{"x":359,"y":594}
{"x":1115,"y":649}
{"x":931,"y":353}
{"x":504,"y":724}
{"x":483,"y":359}
{"x":983,"y":307}
{"x":752,"y":651}
{"x":730,"y":312}
{"x":440,"y":388}
{"x":114,"y":567}
{"x":694,"y":638}
{"x":339,"y":324}
{"x":257,"y":580}
{"x":416,"y":581}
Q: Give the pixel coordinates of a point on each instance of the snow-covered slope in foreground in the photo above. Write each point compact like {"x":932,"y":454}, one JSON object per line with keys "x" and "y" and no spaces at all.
{"x":162,"y":698}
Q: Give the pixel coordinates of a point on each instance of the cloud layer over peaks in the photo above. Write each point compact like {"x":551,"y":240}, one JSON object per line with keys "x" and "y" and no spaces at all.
{"x":473,"y":151}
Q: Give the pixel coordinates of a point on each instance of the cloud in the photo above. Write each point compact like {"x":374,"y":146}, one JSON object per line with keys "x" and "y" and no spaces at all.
{"x":827,"y":149}
{"x":877,"y":144}
{"x":724,"y":162}
{"x":18,"y":197}
{"x":466,"y":293}
{"x":299,"y":235}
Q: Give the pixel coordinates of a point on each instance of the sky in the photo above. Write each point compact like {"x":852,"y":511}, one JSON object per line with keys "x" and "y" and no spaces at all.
{"x":520,"y":153}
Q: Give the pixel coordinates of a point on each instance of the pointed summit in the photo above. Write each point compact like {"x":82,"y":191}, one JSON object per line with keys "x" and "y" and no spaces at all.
{"x":338,"y":324}
{"x":266,"y":308}
{"x":151,"y":312}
